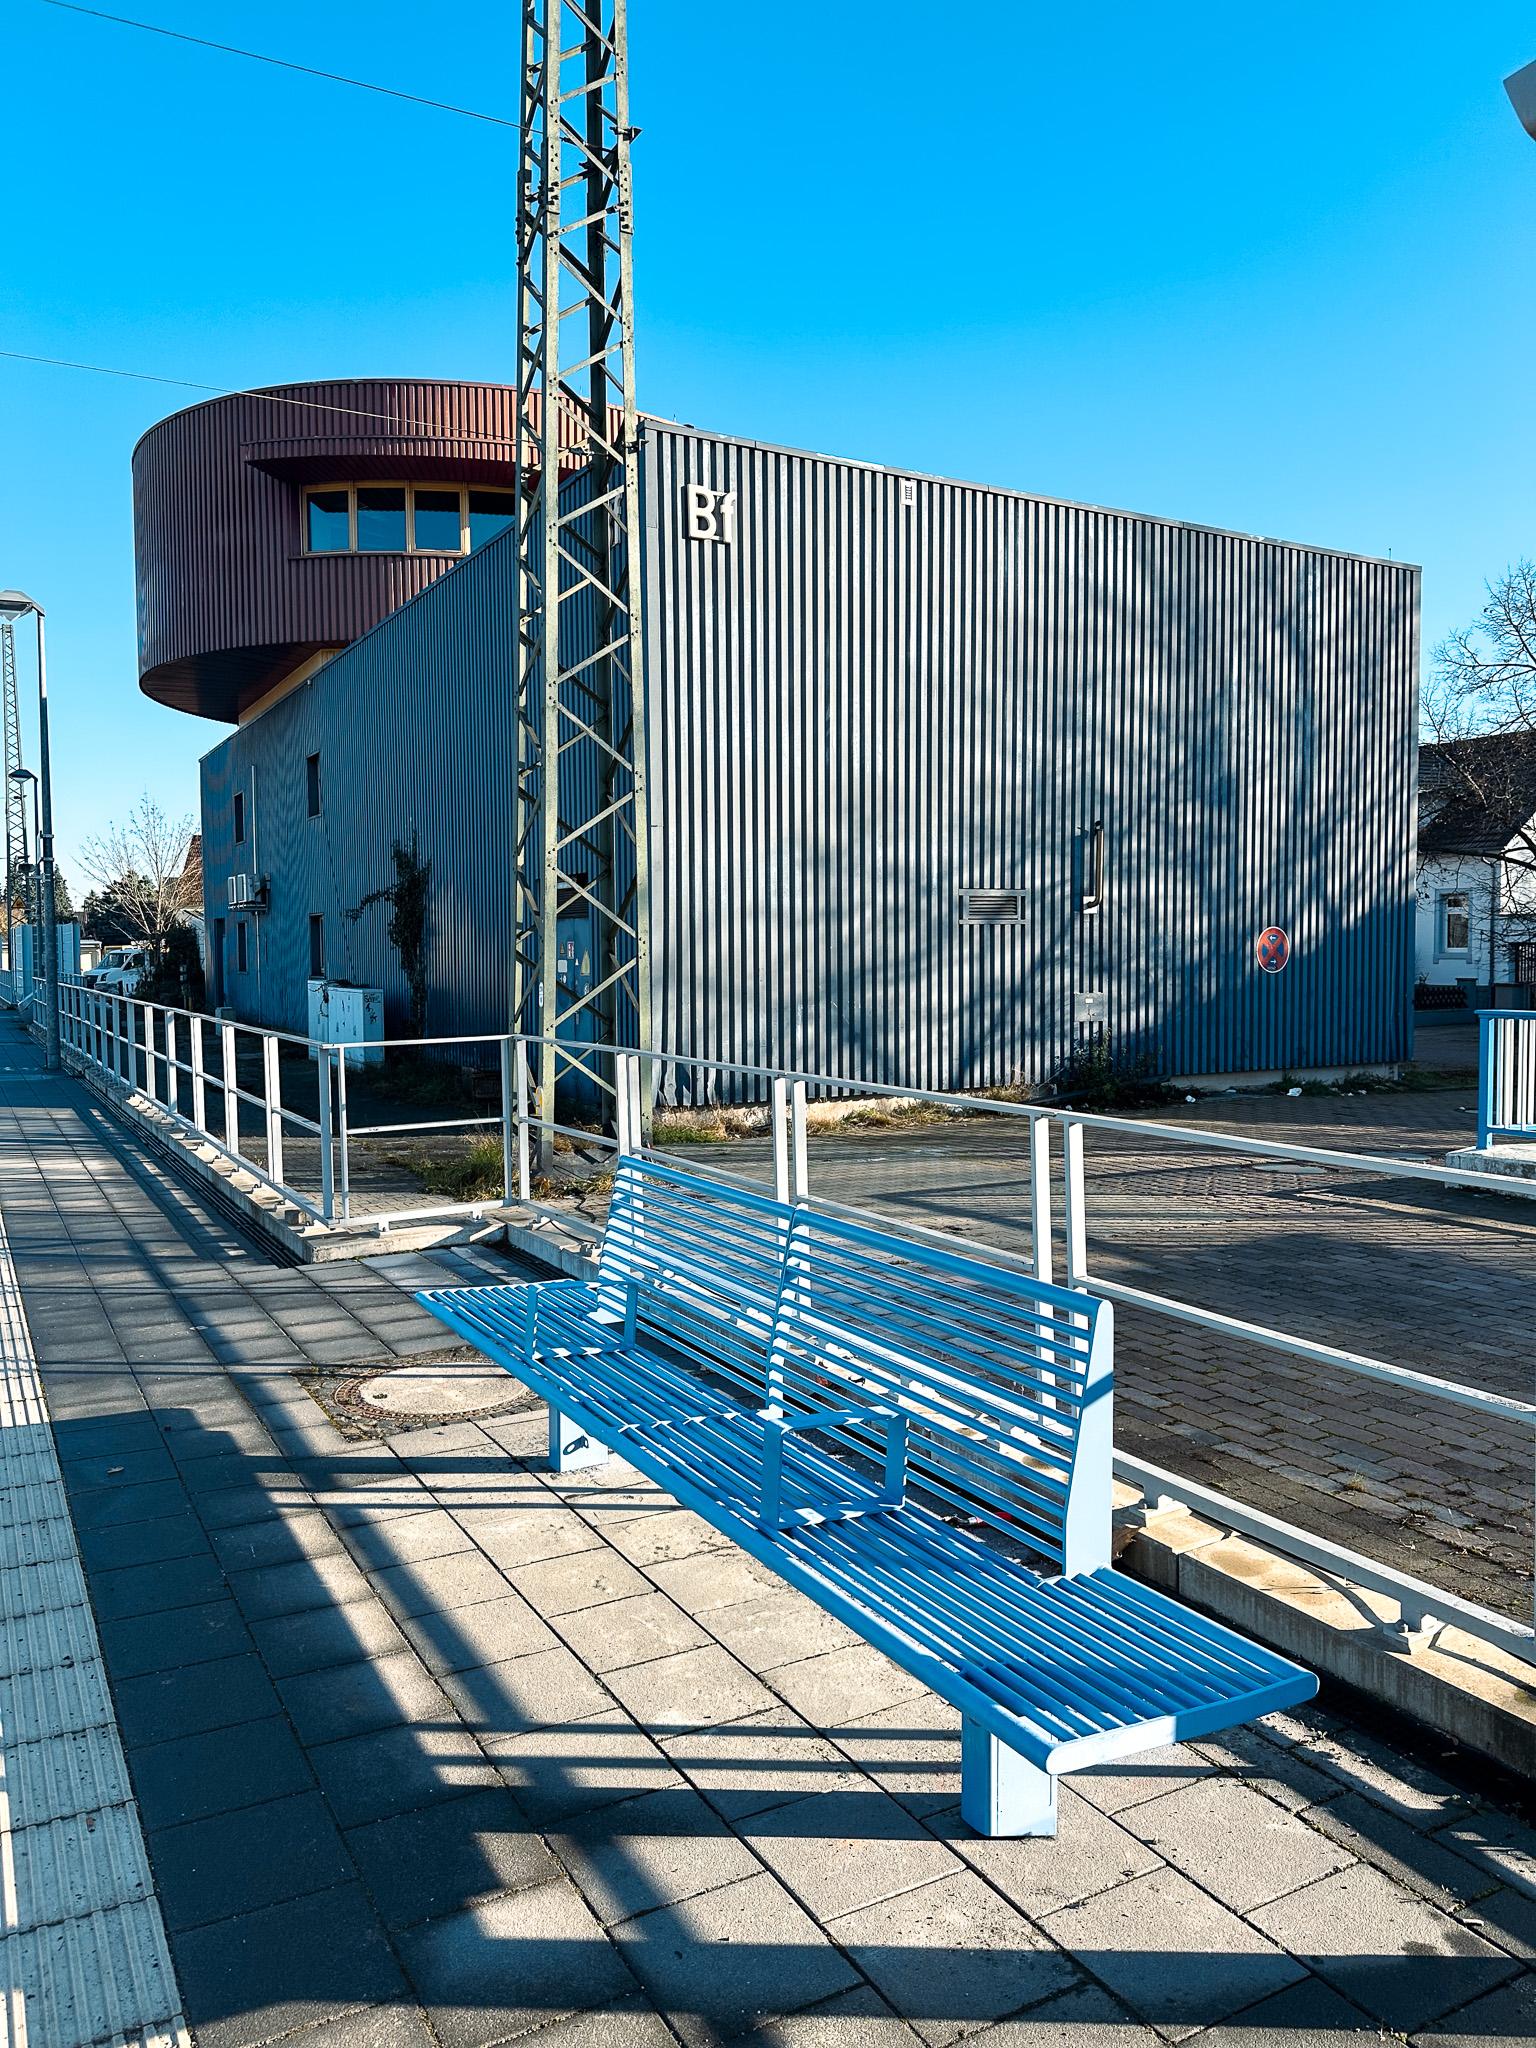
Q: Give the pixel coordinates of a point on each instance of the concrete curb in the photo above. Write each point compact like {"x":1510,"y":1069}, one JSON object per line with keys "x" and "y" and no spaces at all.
{"x":1480,"y":1696}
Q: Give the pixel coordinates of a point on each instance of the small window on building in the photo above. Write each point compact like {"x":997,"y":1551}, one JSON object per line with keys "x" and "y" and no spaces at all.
{"x":381,"y":519}
{"x":242,"y":946}
{"x":316,"y":946}
{"x":1455,"y":923}
{"x":490,"y":513}
{"x":312,"y":785}
{"x":240,"y":818}
{"x":439,"y":522}
{"x":328,"y":522}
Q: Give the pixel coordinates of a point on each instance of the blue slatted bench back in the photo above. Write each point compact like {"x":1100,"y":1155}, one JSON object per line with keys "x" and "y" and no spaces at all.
{"x":1007,"y":1382}
{"x":703,"y":1258}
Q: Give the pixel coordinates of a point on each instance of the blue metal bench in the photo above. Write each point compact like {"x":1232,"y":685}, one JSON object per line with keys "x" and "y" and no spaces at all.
{"x":919,"y":1440}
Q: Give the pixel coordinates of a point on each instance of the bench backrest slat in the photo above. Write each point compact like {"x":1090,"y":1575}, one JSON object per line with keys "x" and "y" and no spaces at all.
{"x":1006,"y":1382}
{"x":703,"y":1260}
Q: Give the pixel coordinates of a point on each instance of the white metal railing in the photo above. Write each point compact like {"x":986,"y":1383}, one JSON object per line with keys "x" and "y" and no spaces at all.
{"x":188,"y":1065}
{"x":164,"y":1055}
{"x":1506,"y":1076}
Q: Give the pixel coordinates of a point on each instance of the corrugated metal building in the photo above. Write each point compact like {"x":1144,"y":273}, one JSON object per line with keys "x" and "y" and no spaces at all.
{"x":887,"y":715}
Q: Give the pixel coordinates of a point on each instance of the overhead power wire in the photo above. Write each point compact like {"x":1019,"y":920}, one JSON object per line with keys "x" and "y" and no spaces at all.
{"x":434,"y":432}
{"x":282,"y":64}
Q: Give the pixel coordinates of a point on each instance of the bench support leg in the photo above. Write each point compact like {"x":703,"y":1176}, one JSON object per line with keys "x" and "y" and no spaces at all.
{"x":570,"y":1448}
{"x":1000,"y":1792}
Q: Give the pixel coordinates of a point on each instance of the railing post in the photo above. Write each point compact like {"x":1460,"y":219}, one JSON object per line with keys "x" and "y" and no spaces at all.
{"x":327,"y":1157}
{"x":1076,"y":1215}
{"x":1487,"y":1080}
{"x":623,"y":1096}
{"x":1042,"y":1252}
{"x":799,"y":1167}
{"x":343,"y":1141}
{"x":779,"y":1118}
{"x":524,"y":1160}
{"x":272,"y":1103}
{"x":172,"y":1075}
{"x":199,"y":1078}
{"x":231,"y":1089}
{"x":640,"y":1101}
{"x":508,"y":1116}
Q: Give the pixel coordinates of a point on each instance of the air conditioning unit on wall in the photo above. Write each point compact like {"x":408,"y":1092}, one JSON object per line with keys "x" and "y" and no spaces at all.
{"x":247,"y":892}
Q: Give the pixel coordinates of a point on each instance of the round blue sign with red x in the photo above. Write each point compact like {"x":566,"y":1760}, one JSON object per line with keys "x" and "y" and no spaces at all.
{"x":1273,"y":948}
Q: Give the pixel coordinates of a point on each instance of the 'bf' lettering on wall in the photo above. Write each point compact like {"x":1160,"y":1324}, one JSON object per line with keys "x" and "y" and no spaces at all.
{"x":709,"y":514}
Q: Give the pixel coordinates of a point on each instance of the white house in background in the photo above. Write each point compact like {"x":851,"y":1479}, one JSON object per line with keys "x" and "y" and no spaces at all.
{"x":1476,"y":925}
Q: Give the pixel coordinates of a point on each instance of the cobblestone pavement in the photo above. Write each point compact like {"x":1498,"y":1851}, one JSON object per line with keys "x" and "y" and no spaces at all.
{"x":1435,"y":1279}
{"x":431,"y":1747}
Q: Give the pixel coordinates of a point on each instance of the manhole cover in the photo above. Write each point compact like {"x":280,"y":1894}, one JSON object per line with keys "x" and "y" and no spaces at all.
{"x":421,"y":1390}
{"x":439,"y":1386}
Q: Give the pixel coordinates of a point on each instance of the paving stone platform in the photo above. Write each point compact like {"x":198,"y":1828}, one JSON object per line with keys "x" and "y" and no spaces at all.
{"x":430,"y":1746}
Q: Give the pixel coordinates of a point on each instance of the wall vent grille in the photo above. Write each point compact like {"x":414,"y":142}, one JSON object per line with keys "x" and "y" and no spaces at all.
{"x":991,"y":906}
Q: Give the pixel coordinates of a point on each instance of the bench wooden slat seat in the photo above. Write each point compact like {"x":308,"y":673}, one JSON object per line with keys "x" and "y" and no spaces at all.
{"x":918,"y":1440}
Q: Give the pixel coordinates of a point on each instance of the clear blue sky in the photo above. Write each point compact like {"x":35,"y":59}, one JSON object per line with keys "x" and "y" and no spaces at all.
{"x":1269,"y":269}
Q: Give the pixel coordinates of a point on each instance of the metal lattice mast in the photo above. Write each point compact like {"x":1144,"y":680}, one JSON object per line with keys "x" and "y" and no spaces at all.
{"x":582,"y":849}
{"x":15,"y":792}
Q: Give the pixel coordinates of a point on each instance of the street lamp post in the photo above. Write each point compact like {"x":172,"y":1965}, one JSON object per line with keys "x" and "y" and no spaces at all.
{"x":29,"y":870}
{"x":15,"y":605}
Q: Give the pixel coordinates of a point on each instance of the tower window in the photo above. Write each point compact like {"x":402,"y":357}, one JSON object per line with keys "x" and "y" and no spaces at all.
{"x":316,"y":946}
{"x":398,"y":519}
{"x":328,"y":522}
{"x":312,"y":785}
{"x":381,"y":519}
{"x":239,"y":817}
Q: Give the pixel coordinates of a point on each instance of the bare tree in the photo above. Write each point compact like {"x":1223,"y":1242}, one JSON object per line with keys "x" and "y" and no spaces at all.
{"x":1484,"y":678}
{"x":1479,"y":710}
{"x":141,"y":865}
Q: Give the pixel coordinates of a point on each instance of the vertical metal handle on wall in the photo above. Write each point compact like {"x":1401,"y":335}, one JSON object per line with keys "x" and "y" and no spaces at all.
{"x":1093,"y":892}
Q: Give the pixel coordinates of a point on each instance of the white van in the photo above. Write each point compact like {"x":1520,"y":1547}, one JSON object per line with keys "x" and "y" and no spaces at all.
{"x":119,"y":969}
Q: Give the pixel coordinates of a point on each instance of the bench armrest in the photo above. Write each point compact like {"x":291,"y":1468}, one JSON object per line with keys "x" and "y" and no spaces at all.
{"x":777,"y":1429}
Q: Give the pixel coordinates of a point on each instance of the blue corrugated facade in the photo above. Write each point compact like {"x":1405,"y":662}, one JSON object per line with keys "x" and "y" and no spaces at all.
{"x":876,"y":694}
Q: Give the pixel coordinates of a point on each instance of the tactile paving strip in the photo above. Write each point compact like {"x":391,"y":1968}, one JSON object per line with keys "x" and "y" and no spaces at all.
{"x":83,"y":1957}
